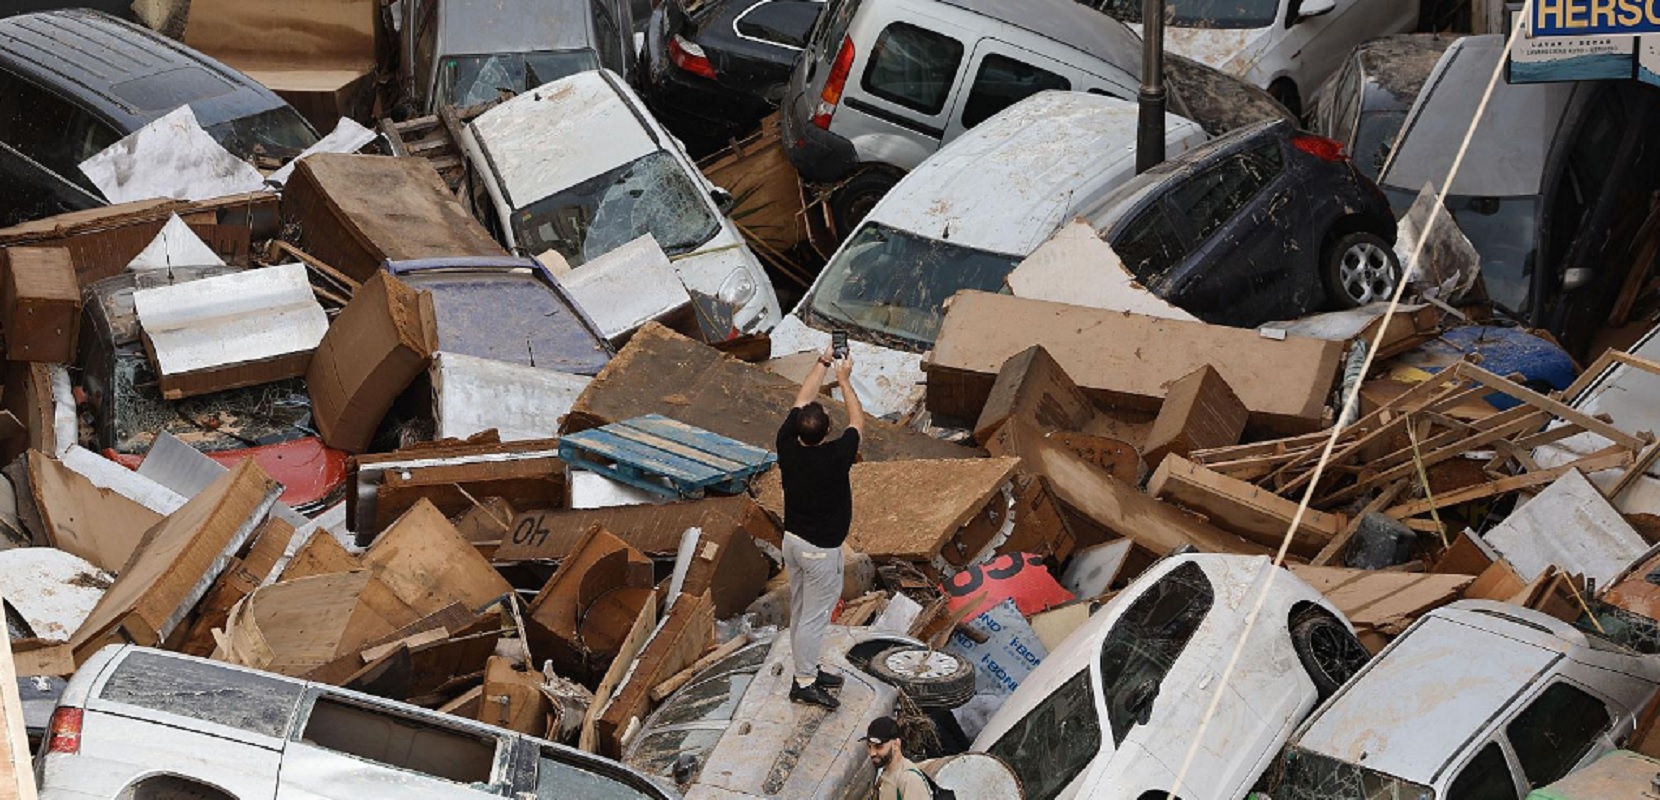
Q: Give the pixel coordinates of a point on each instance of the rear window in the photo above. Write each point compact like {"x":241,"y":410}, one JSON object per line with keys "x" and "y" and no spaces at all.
{"x":913,"y":67}
{"x":199,"y":690}
{"x":1001,"y":82}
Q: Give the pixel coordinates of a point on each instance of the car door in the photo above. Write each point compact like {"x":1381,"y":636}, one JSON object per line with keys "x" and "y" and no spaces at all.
{"x":1490,"y":773}
{"x":1244,"y":268}
{"x":897,"y":106}
{"x":1315,"y":46}
{"x":1000,"y":75}
{"x":363,"y":748}
{"x":1564,"y":726}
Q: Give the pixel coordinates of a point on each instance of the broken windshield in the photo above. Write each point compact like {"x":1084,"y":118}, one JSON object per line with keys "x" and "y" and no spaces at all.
{"x":469,"y":80}
{"x":891,"y":284}
{"x":279,"y":132}
{"x":1311,"y":776}
{"x":1055,"y":742}
{"x":1198,"y":13}
{"x":651,"y":194}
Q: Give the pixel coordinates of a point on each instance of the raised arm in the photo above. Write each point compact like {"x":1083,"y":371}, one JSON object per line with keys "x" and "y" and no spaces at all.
{"x":855,"y":411}
{"x":814,"y":380}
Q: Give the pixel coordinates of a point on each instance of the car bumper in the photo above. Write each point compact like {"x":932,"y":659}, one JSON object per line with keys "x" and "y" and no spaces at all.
{"x":819,"y":155}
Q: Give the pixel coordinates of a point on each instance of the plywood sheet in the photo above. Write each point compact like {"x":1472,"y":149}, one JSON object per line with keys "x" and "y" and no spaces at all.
{"x":652,"y":529}
{"x":909,"y":509}
{"x":425,"y":561}
{"x":1385,"y":602}
{"x":662,"y":372}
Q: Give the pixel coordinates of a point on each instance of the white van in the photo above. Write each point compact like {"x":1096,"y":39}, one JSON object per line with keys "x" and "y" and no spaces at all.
{"x":963,"y":220}
{"x":579,"y":167}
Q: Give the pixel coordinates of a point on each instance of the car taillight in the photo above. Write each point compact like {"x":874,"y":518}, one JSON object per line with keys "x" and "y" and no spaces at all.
{"x":64,"y":734}
{"x":1320,"y":147}
{"x":834,"y":83}
{"x":689,"y":56}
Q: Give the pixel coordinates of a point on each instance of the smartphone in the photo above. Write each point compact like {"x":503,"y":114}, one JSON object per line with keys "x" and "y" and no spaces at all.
{"x":838,"y":344}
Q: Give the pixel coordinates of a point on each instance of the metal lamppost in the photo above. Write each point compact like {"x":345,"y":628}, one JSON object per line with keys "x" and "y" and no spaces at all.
{"x":1149,"y":140}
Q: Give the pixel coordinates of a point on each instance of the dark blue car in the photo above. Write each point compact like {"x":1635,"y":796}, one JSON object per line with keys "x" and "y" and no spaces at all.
{"x":1264,"y":223}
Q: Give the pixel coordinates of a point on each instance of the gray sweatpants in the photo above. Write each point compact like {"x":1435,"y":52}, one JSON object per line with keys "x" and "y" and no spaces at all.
{"x":815,"y":586}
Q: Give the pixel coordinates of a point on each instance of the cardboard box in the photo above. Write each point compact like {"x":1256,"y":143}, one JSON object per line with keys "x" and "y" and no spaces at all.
{"x":1200,"y":411}
{"x":340,"y":203}
{"x":375,"y":348}
{"x":40,"y":304}
{"x":581,"y":617}
{"x":1125,"y":359}
{"x":1031,"y":386}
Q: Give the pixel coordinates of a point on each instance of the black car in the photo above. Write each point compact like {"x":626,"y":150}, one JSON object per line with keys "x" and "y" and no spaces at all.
{"x":1264,"y":223}
{"x":74,"y":82}
{"x":711,"y":69}
{"x":1365,"y":101}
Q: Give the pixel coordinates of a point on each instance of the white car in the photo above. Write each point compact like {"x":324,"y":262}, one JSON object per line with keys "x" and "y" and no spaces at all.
{"x":580,"y":167}
{"x":963,"y":220}
{"x":1112,"y":712}
{"x":1285,"y":46}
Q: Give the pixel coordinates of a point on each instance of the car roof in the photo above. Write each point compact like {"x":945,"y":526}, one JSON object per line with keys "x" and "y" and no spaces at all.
{"x":1130,"y":197}
{"x":107,"y":64}
{"x":563,"y":133}
{"x":1512,"y":141}
{"x":1411,"y":709}
{"x":1067,"y":22}
{"x":478,"y":27}
{"x":1005,"y":185}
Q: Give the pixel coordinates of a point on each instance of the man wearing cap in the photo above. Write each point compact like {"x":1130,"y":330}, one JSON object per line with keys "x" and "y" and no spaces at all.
{"x":896,"y":777}
{"x":818,"y":511}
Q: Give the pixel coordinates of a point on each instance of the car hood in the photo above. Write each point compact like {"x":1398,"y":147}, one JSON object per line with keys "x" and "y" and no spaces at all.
{"x":1232,"y":50}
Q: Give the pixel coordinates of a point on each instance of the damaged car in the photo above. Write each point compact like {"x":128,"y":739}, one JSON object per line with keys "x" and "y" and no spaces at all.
{"x":57,"y":110}
{"x":137,"y":723}
{"x":732,"y":731}
{"x":1364,"y":103}
{"x":1477,"y":699}
{"x":1265,"y":223}
{"x":1112,"y":712}
{"x":963,"y":220}
{"x":579,"y":168}
{"x":1285,"y":46}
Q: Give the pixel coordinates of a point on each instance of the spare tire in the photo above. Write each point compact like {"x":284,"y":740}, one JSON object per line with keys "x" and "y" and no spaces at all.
{"x":931,"y":678}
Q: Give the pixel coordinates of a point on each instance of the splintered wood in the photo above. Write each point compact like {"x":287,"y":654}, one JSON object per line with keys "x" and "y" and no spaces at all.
{"x":1400,"y":457}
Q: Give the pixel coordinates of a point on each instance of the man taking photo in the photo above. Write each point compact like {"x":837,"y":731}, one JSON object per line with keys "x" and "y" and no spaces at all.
{"x":818,"y":510}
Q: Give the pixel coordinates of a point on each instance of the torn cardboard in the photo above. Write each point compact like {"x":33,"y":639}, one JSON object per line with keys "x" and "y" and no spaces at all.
{"x":580,"y":618}
{"x":380,"y":342}
{"x":79,"y":517}
{"x":425,"y":561}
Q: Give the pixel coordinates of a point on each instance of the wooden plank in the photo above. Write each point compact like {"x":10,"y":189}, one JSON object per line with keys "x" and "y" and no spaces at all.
{"x":312,"y":263}
{"x":1633,"y":472}
{"x":706,"y":442}
{"x":1273,"y":447}
{"x":1516,"y":423}
{"x":655,"y":530}
{"x":662,"y":690}
{"x":17,"y":778}
{"x":1385,"y":602}
{"x":1234,"y":505}
{"x":638,"y":634}
{"x":684,"y":636}
{"x":1555,"y":407}
{"x":662,"y":372}
{"x":1607,"y":458}
{"x":1341,"y":540}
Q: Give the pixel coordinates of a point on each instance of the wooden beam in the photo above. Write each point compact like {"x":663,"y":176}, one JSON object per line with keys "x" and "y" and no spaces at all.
{"x":1607,"y":458}
{"x":1529,"y":418}
{"x":1555,"y":407}
{"x":1634,"y":472}
{"x":1341,"y":540}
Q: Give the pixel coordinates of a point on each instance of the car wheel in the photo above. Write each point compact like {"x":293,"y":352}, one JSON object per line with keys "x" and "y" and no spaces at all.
{"x":851,"y":201}
{"x":931,"y":678}
{"x":1361,"y":268}
{"x":1331,"y":655}
{"x":1286,"y":93}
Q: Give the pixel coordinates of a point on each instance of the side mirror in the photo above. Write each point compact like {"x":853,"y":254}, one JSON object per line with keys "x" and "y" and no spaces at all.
{"x":1575,"y":278}
{"x":1315,"y":8}
{"x":724,"y":201}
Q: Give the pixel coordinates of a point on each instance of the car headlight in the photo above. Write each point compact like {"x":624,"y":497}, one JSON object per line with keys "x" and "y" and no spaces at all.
{"x":738,"y":289}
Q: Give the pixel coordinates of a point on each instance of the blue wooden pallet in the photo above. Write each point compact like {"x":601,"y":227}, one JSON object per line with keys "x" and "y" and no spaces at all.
{"x":666,"y":457}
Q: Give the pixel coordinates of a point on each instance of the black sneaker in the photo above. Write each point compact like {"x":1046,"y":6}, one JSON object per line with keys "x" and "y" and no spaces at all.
{"x":829,"y":680}
{"x":812,"y":694}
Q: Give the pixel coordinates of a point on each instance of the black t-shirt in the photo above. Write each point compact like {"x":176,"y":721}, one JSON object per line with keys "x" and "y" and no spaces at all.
{"x":818,"y":497}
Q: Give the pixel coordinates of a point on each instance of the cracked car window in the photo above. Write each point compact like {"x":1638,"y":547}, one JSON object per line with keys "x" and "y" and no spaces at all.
{"x":651,"y":194}
{"x":1055,"y":742}
{"x":1146,"y":641}
{"x":189,"y":688}
{"x":1311,"y":776}
{"x":1555,"y":731}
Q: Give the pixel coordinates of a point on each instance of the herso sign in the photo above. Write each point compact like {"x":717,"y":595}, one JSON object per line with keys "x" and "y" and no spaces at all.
{"x":1582,"y":17}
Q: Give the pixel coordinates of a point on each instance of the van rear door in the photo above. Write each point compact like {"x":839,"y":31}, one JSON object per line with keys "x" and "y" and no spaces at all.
{"x":898,"y":98}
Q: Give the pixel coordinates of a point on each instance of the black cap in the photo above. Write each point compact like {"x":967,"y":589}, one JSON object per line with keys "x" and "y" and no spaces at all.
{"x":882,"y":730}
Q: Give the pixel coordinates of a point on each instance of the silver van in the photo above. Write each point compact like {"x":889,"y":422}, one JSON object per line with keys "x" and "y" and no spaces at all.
{"x":882,"y":85}
{"x":142,"y":724}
